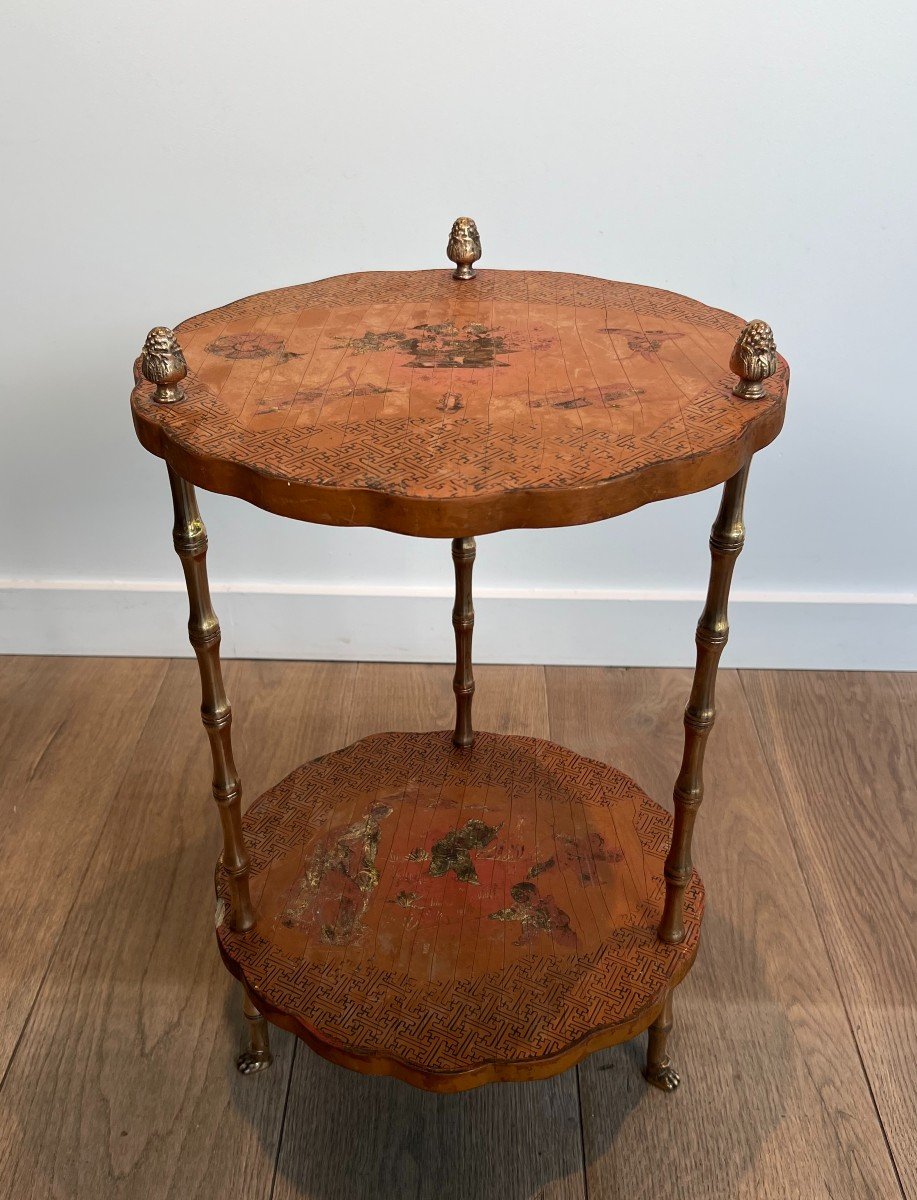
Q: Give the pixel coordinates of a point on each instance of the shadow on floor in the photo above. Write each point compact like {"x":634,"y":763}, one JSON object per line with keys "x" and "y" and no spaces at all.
{"x":124,"y":1082}
{"x":353,"y":1137}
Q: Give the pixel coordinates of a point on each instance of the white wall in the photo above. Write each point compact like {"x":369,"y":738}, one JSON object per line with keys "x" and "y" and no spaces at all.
{"x":163,"y":159}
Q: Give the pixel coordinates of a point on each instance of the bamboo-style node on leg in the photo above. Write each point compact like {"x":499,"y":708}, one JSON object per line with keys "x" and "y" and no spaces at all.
{"x":659,"y":1070}
{"x":190,"y":539}
{"x":258,"y":1056}
{"x":726,"y":541}
{"x":463,"y":552}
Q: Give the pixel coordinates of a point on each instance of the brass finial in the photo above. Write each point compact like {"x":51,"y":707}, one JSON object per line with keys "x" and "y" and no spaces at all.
{"x":754,"y":359}
{"x":163,"y":363}
{"x":464,"y":247}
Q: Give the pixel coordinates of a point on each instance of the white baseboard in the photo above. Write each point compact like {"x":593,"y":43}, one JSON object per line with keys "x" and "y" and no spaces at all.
{"x":565,"y":626}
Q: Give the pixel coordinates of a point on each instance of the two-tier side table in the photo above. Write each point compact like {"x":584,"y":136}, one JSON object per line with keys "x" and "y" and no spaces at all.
{"x":459,"y":907}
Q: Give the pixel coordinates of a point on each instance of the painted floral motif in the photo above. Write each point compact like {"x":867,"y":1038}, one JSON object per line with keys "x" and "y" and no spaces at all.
{"x":434,"y":346}
{"x":589,"y":398}
{"x":572,"y":402}
{"x":453,"y":851}
{"x":249,"y":346}
{"x":644,"y":342}
{"x":317,"y":395}
{"x":612,"y":398}
{"x":450,"y":402}
{"x":536,"y":914}
{"x":536,"y":868}
{"x":585,"y":857}
{"x":338,"y":884}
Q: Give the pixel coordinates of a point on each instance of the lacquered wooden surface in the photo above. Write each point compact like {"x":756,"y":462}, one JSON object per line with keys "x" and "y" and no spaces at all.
{"x":116,"y":1079}
{"x":455,"y":916}
{"x":419,"y":404}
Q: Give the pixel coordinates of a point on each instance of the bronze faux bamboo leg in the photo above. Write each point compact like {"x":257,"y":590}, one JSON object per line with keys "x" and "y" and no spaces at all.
{"x":463,"y":552}
{"x":258,"y":1055}
{"x":726,"y":541}
{"x":190,"y":539}
{"x":659,"y":1070}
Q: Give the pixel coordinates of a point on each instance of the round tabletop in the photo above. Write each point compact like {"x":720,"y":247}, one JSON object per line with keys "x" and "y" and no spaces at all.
{"x":418,"y":403}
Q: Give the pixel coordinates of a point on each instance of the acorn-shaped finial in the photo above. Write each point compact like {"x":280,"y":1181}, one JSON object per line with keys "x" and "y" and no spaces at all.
{"x":464,"y":247}
{"x":754,"y":359}
{"x":163,"y":363}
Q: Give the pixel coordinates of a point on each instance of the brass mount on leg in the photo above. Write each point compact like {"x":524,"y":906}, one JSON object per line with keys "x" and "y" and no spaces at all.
{"x":258,"y":1056}
{"x":463,"y":554}
{"x":659,"y":1070}
{"x":464,"y":247}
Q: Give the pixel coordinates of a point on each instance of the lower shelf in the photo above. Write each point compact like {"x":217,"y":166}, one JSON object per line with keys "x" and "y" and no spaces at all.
{"x":454,"y":917}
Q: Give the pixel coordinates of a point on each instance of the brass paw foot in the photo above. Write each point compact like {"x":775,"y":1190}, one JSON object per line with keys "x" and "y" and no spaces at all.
{"x":664,"y":1077}
{"x":257,"y":1056}
{"x":250,"y":1061}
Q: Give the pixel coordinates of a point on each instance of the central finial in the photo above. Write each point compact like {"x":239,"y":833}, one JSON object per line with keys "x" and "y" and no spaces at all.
{"x":464,"y":247}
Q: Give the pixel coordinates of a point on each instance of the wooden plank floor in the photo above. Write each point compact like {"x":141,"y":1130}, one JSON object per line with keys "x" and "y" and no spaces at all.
{"x":795,"y":1033}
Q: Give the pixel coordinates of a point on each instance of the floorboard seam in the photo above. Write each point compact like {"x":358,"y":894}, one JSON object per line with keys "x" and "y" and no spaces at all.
{"x":576,"y":1069}
{"x":283,"y":1117}
{"x":349,"y":703}
{"x":28,"y":1016}
{"x":116,"y":791}
{"x":872,"y":1096}
{"x":582,"y":1134}
{"x":826,"y":942}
